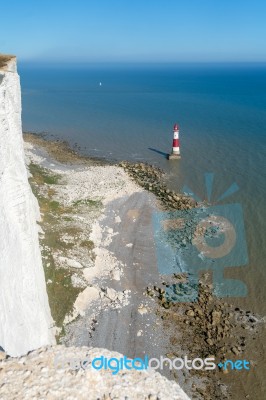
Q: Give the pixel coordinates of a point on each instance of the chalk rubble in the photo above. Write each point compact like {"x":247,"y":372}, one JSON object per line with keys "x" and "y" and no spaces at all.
{"x":42,"y":374}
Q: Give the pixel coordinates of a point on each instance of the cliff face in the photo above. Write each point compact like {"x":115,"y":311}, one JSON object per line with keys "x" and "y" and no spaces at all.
{"x":25,"y":319}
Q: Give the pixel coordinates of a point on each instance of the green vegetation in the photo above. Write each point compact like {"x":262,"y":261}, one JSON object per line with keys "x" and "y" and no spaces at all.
{"x":53,"y":241}
{"x":61,"y":292}
{"x":73,"y":230}
{"x":88,"y":202}
{"x":88,"y":244}
{"x":42,"y":175}
{"x":50,"y":208}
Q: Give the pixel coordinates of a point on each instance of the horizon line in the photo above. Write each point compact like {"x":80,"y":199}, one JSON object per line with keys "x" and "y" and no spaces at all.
{"x":83,"y":62}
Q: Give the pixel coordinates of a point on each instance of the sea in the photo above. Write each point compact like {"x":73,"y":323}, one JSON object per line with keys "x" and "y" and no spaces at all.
{"x":127,"y":112}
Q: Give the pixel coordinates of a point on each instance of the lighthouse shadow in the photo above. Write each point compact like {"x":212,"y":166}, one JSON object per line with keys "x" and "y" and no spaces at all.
{"x":165,"y":155}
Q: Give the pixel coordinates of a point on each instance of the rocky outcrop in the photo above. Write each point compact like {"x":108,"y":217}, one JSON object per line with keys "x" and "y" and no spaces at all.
{"x":55,"y":373}
{"x":151,"y":178}
{"x":25,"y":319}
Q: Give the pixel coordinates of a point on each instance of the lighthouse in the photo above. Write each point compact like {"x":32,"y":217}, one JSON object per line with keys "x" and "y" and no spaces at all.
{"x":175,"y":150}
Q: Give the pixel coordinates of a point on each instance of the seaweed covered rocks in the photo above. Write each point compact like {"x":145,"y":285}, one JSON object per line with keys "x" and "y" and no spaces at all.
{"x":151,"y":178}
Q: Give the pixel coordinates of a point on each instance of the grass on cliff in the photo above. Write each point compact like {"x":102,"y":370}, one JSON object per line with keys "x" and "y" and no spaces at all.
{"x":88,"y":202}
{"x":61,"y":293}
{"x":42,"y":175}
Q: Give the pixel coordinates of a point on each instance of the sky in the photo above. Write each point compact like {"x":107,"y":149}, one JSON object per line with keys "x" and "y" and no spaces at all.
{"x":134,"y":30}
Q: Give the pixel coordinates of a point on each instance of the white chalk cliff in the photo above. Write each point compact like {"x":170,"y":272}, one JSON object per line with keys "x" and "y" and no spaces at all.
{"x":25,"y":318}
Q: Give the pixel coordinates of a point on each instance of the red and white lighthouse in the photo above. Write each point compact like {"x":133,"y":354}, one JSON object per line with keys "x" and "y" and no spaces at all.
{"x":175,"y":150}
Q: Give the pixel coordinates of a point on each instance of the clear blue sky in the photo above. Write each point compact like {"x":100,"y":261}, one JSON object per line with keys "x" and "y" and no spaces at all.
{"x":134,"y":30}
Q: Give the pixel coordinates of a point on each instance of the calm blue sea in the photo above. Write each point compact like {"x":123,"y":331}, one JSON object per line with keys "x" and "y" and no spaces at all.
{"x":221,"y":110}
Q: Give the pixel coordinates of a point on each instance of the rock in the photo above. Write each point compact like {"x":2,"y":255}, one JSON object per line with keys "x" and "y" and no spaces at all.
{"x":115,"y":274}
{"x":153,"y":397}
{"x":225,"y":371}
{"x":111,"y":294}
{"x":120,"y":296}
{"x":190,"y":313}
{"x":235,"y":350}
{"x":200,"y":312}
{"x":216,"y":317}
{"x":2,"y":355}
{"x":85,"y":298}
{"x":70,"y":262}
{"x":142,"y":309}
{"x":117,"y":219}
{"x":200,"y":391}
{"x":210,"y":342}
